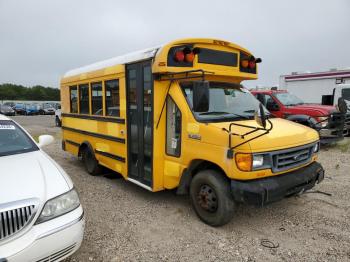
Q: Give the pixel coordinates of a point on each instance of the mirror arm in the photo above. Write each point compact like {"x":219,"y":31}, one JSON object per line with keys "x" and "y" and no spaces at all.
{"x":255,"y":129}
{"x":166,"y":95}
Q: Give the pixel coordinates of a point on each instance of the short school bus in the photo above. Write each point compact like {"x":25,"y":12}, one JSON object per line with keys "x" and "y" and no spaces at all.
{"x":176,"y":116}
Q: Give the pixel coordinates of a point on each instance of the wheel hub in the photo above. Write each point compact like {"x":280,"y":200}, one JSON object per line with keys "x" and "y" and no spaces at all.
{"x":207,"y":198}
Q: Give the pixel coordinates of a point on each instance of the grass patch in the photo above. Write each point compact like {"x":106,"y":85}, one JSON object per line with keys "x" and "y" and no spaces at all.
{"x":36,"y":138}
{"x":344,"y":145}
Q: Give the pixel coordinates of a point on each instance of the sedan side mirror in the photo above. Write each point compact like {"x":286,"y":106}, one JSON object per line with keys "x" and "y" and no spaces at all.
{"x":45,"y":140}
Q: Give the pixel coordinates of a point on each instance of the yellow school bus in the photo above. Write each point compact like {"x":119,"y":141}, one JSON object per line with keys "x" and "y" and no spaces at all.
{"x":177,"y":117}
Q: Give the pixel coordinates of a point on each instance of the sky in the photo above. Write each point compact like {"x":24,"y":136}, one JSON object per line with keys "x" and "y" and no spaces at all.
{"x":42,"y":39}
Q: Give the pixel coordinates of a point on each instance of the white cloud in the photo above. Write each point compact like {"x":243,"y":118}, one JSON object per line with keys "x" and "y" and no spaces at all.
{"x":41,"y":39}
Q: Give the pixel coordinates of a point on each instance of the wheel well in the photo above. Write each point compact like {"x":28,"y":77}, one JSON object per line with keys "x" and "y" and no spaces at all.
{"x":194,"y":168}
{"x":204,"y":165}
{"x":84,"y":146}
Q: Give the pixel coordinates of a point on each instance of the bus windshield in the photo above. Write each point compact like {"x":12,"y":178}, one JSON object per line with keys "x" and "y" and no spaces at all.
{"x":227,"y":102}
{"x":13,"y":140}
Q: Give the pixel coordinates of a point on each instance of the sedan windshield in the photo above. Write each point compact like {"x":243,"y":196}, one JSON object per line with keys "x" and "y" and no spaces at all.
{"x":13,"y":140}
{"x":288,"y":99}
{"x":227,"y":101}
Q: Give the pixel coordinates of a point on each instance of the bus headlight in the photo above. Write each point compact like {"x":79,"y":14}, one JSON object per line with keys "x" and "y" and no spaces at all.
{"x":316,"y":147}
{"x":258,"y":161}
{"x":249,"y":162}
{"x":59,"y":206}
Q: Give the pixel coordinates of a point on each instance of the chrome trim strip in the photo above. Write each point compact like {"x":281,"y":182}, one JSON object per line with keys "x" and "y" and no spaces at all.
{"x":19,"y":204}
{"x":53,"y":231}
{"x":140,"y":184}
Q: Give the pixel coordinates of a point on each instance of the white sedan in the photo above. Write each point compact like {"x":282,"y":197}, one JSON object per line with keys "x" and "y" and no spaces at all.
{"x":41,"y":218}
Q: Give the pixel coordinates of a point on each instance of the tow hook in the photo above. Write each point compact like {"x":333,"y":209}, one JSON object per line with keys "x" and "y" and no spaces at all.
{"x":320,"y":175}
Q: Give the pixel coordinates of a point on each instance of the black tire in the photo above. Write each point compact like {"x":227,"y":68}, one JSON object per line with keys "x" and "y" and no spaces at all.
{"x":211,"y":198}
{"x":58,"y":122}
{"x":90,"y":162}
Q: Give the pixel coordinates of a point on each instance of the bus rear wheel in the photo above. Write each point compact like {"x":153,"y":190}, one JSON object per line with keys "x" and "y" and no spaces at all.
{"x":90,"y":162}
{"x":211,"y":198}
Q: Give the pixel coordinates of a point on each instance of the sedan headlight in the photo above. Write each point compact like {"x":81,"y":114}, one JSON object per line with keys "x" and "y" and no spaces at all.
{"x":323,"y":120}
{"x":58,"y":206}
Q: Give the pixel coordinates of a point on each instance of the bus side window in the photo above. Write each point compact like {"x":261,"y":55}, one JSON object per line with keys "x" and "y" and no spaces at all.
{"x":173,"y":128}
{"x":96,"y":98}
{"x":73,"y":99}
{"x":112,"y":97}
{"x":84,"y":99}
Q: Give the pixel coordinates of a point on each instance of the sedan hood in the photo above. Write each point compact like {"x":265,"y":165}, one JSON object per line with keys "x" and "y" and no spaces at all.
{"x":31,"y":175}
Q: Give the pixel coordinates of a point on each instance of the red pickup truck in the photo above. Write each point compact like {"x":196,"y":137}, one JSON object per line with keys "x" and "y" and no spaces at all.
{"x":327,"y":120}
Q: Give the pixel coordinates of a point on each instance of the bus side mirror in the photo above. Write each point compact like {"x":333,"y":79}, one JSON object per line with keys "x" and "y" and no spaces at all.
{"x":260,"y":116}
{"x":342,"y":106}
{"x":201,"y":96}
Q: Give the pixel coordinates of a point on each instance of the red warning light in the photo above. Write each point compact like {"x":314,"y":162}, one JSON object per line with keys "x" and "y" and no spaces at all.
{"x":179,"y":56}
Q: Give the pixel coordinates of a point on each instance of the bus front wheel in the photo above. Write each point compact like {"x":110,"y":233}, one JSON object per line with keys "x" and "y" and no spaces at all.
{"x":211,"y":198}
{"x":90,"y":162}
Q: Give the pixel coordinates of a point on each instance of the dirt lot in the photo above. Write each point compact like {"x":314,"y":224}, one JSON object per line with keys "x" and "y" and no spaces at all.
{"x":127,"y":223}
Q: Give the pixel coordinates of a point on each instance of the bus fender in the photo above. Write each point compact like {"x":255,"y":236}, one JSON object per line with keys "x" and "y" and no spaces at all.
{"x":184,"y":185}
{"x":188,"y":173}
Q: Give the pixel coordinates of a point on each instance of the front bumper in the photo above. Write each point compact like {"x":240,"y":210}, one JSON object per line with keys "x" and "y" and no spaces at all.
{"x":262,"y":191}
{"x":331,"y":134}
{"x":53,"y":240}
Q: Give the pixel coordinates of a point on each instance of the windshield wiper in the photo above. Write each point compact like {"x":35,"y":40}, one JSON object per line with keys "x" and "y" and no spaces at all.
{"x":214,"y":113}
{"x":221,"y":113}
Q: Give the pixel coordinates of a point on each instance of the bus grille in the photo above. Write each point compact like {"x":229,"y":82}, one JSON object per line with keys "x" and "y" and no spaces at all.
{"x":13,"y":220}
{"x":291,"y":158}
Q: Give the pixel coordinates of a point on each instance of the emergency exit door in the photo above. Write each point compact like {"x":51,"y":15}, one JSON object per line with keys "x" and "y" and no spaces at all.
{"x":139,"y":87}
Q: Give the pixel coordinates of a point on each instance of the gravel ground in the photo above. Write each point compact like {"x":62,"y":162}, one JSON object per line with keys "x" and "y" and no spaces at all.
{"x":127,"y":223}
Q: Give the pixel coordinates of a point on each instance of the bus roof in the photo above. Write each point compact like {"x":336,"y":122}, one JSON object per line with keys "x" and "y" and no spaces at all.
{"x":124,"y":59}
{"x":144,"y":54}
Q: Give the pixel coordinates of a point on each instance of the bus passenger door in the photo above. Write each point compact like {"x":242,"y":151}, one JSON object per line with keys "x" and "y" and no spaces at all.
{"x":139,"y":84}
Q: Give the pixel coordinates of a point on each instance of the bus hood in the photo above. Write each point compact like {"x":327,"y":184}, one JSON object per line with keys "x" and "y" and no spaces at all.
{"x":284,"y":134}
